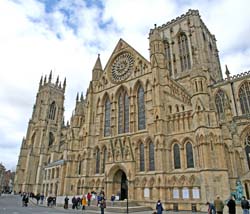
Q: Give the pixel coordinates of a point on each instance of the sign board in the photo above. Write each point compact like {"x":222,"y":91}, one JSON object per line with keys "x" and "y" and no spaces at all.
{"x":146,"y":192}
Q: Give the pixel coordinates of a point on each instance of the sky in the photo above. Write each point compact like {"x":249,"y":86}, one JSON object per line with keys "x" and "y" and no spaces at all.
{"x":64,"y":36}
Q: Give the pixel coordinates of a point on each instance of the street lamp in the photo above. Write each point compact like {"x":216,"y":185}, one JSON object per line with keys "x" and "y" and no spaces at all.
{"x":127,"y":194}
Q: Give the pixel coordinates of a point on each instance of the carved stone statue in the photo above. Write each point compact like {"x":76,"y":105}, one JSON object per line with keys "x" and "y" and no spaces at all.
{"x":239,"y":190}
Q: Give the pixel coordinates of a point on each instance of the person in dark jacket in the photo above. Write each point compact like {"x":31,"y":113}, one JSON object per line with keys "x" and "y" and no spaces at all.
{"x":245,"y":205}
{"x":66,"y":202}
{"x":231,"y":206}
{"x":159,"y":207}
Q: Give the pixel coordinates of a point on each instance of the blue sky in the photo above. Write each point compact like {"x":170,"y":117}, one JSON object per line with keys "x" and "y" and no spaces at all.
{"x":66,"y":36}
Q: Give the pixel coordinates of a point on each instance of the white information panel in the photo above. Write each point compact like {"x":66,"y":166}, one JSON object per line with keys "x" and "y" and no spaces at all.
{"x":146,"y":192}
{"x":196,"y":193}
{"x":185,"y":193}
{"x":176,"y":193}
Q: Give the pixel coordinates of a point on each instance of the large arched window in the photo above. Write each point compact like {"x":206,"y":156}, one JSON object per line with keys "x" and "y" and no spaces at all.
{"x":184,"y":52}
{"x":123,"y":113}
{"x":142,"y":160}
{"x":104,"y":159}
{"x":247,"y":149}
{"x":220,"y":103}
{"x":168,"y":57}
{"x":97,"y":168}
{"x":189,"y":155}
{"x":52,"y":111}
{"x":107,"y":118}
{"x":151,"y":157}
{"x":177,"y":157}
{"x":141,"y":109}
{"x":244,"y":95}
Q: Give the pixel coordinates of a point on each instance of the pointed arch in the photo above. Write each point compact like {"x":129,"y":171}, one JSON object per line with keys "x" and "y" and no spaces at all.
{"x":52,"y":111}
{"x":184,"y":51}
{"x":141,"y":108}
{"x":142,"y":157}
{"x":151,"y":156}
{"x":168,"y":56}
{"x":97,"y":156}
{"x":220,"y":99}
{"x":104,"y":152}
{"x":123,"y":110}
{"x":107,"y":117}
{"x":244,"y":97}
{"x":247,"y":148}
{"x":177,"y":156}
{"x":189,"y":155}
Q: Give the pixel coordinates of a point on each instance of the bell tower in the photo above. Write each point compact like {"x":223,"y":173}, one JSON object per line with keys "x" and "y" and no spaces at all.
{"x":42,"y":140}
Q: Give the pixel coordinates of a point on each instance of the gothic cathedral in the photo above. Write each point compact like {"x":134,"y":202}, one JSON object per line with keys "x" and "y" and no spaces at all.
{"x":171,"y":128}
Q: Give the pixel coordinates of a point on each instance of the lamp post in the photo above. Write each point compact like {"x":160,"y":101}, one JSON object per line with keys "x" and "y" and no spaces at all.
{"x":127,"y":194}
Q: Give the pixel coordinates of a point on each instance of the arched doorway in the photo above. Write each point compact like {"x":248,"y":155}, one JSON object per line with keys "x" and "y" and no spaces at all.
{"x":120,"y":184}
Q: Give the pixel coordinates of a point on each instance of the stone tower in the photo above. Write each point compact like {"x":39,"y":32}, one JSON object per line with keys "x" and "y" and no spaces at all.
{"x":43,"y":134}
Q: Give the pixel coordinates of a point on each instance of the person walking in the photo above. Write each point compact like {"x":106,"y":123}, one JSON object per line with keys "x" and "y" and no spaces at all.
{"x":211,"y":208}
{"x":66,"y":202}
{"x":102,"y":204}
{"x":231,"y":206}
{"x":89,"y":196}
{"x":84,"y":202}
{"x":159,"y":207}
{"x":219,"y":205}
{"x":245,"y":205}
{"x":112,"y":199}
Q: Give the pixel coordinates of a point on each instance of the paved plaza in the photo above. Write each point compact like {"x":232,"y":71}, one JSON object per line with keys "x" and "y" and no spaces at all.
{"x":12,"y":204}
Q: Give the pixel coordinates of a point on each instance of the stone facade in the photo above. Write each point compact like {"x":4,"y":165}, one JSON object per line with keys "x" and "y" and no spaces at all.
{"x":170,"y":128}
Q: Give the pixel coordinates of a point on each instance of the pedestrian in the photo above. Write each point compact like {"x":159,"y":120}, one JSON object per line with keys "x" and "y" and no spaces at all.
{"x":74,"y":202}
{"x":245,"y":205}
{"x":42,"y":198}
{"x":231,"y":205}
{"x":89,"y":196}
{"x":102,"y":204}
{"x":211,"y":208}
{"x":38,"y":198}
{"x":219,"y":205}
{"x":159,"y":207}
{"x":84,"y":202}
{"x":66,"y":202}
{"x":112,"y":199}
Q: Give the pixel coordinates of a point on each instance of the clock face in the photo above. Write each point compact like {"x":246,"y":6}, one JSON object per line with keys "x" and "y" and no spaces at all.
{"x":122,"y":67}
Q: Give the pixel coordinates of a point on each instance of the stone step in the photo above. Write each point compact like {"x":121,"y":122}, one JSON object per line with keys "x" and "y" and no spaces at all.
{"x":121,"y":209}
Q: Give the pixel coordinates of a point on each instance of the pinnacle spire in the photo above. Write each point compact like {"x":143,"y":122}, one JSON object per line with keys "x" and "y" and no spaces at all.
{"x":64,"y":83}
{"x":77,"y":97}
{"x":98,"y":64}
{"x":81,"y":97}
{"x":41,"y":80}
{"x":50,"y":76}
{"x":57,"y":80}
{"x":227,"y":72}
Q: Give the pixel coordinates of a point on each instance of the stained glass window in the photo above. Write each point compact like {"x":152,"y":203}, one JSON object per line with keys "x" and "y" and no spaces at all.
{"x":107,"y":118}
{"x":184,"y":52}
{"x":97,"y":169}
{"x":151,"y":157}
{"x":142,"y":161}
{"x":123,"y":113}
{"x":177,"y":158}
{"x":189,"y":155}
{"x":52,"y":111}
{"x":141,"y":109}
{"x":244,"y":95}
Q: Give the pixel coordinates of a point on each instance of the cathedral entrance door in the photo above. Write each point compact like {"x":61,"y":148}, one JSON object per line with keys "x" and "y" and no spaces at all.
{"x":120,"y":185}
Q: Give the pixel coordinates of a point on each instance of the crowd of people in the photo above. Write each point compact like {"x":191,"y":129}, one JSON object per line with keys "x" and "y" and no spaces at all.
{"x":217,"y":206}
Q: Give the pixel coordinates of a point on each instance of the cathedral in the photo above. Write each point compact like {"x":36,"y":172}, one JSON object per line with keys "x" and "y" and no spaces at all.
{"x":169,"y":128}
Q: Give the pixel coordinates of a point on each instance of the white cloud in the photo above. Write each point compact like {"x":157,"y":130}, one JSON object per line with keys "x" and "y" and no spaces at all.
{"x":30,"y":47}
